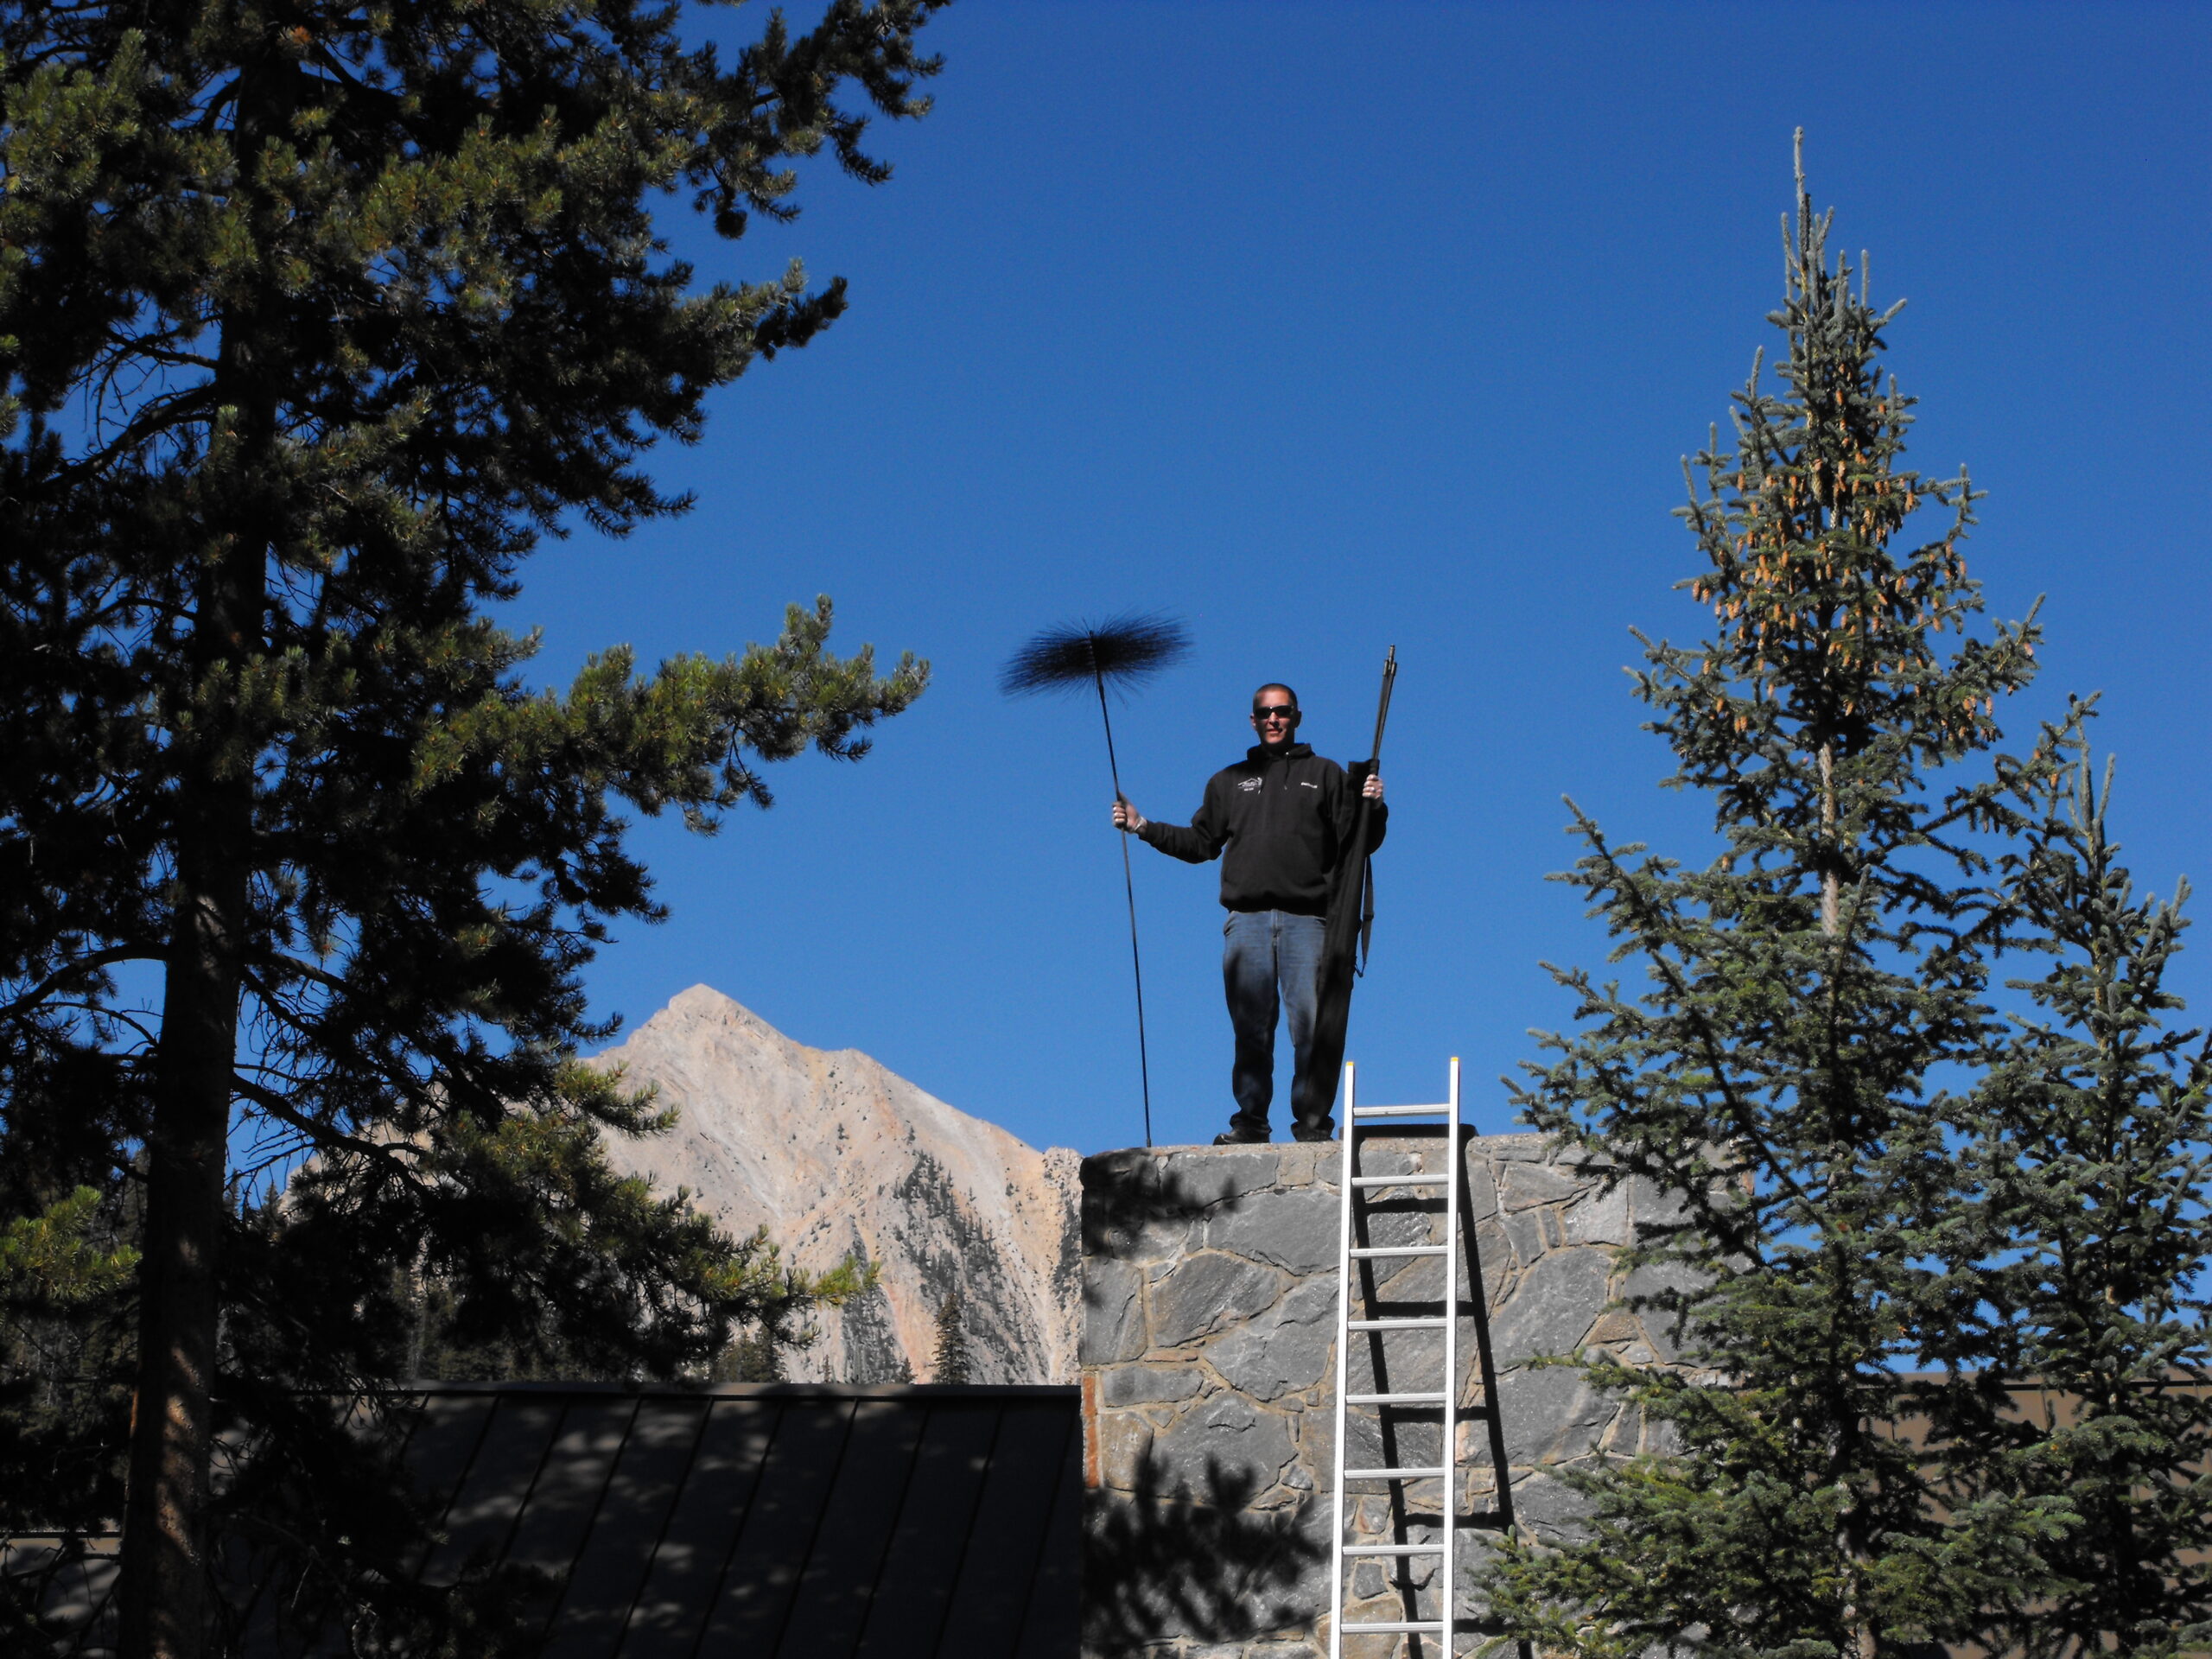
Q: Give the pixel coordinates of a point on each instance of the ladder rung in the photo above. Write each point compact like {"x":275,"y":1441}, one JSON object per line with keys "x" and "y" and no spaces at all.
{"x":1425,"y":1322}
{"x":1402,"y":1111}
{"x":1397,"y":1625}
{"x":1436,"y":1398}
{"x":1394,"y":1549}
{"x":1399,"y":1181}
{"x":1365,"y":1251}
{"x":1394,"y":1474}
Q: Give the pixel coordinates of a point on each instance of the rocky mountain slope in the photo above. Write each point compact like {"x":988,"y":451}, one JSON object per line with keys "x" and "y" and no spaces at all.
{"x":833,"y":1155}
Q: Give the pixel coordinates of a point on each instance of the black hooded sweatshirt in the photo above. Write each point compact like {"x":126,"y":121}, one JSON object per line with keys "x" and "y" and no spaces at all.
{"x":1282,"y":817}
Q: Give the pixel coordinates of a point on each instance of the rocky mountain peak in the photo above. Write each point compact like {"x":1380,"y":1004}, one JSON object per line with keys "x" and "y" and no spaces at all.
{"x":833,"y":1152}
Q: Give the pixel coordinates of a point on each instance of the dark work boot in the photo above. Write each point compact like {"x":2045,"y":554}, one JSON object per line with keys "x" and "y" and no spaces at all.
{"x":1324,"y":1130}
{"x":1238,"y":1134}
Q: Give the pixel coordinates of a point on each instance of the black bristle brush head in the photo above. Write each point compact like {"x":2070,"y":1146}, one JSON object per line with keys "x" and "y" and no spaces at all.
{"x":1079,"y":656}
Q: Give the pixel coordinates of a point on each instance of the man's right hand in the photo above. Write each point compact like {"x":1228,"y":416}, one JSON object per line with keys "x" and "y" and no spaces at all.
{"x":1127,"y":817}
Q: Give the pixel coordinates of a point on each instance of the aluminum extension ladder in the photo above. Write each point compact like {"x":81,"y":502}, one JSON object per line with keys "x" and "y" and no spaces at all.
{"x":1443,"y":1399}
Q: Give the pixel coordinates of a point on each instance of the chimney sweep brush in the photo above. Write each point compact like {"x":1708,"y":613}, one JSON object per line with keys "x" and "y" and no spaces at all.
{"x":1121,"y":652}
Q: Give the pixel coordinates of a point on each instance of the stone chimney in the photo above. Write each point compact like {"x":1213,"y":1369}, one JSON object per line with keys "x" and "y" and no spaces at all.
{"x":1209,"y":1381}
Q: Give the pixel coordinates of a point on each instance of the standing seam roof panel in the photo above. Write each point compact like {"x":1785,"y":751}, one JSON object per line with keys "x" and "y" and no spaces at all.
{"x":491,"y":1495}
{"x":910,"y":1604}
{"x":626,"y":1534}
{"x":1007,"y":1534}
{"x":549,"y":1532}
{"x":1052,"y":1623}
{"x":771,"y":1549}
{"x":688,"y":1562}
{"x":442,"y":1448}
{"x":839,"y":1581}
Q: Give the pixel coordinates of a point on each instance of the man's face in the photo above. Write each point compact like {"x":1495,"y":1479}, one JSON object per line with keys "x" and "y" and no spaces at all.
{"x":1275,"y":716}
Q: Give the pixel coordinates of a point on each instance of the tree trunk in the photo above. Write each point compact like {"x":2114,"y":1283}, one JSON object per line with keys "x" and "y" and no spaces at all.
{"x":163,"y":1589}
{"x":1831,"y":884}
{"x":162,"y":1592}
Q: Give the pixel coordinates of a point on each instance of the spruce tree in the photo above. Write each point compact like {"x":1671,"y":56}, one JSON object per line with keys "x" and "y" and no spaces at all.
{"x":1781,"y":1067}
{"x":2088,"y":1147}
{"x":950,"y":1361}
{"x":312,"y":320}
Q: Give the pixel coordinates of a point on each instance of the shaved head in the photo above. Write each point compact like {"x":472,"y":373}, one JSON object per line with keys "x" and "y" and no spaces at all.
{"x":1261,"y":696}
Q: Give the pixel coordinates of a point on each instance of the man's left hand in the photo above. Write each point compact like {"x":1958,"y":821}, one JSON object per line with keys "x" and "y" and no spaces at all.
{"x":1373,"y":787}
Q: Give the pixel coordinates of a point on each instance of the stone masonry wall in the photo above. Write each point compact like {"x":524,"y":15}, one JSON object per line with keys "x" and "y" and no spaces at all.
{"x":1209,"y":1377}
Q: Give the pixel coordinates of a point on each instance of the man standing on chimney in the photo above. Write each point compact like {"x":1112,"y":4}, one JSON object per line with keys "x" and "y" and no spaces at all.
{"x":1281,"y":812}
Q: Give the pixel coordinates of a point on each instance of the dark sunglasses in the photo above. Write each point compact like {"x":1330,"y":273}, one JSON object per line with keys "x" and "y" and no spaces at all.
{"x":1275,"y":711}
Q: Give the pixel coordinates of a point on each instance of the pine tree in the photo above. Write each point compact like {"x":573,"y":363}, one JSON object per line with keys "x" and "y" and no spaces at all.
{"x":311,"y":322}
{"x":2090,"y":1142}
{"x":950,"y":1361}
{"x":755,"y":1356}
{"x":1782,"y":1068}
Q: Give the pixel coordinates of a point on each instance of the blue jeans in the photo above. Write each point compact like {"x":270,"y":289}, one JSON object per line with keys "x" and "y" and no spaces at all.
{"x":1271,"y":963}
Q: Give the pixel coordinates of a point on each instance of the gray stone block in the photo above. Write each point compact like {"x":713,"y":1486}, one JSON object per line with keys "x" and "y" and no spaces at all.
{"x":1168,"y":1239}
{"x":1551,"y":1415}
{"x":1110,"y":1169}
{"x":1524,"y":1230}
{"x":1362,"y":1441}
{"x":1482,"y":1185}
{"x":1408,"y":1438}
{"x":1411,"y":1360}
{"x":1652,"y":1280}
{"x":1141,"y":1385}
{"x":1136,"y":1204}
{"x":1226,"y":1174}
{"x":1222,"y":1446}
{"x":1286,"y":1348}
{"x":1316,"y":1437}
{"x":1552,"y":1306}
{"x":1410,"y":1226}
{"x":1523,"y":1185}
{"x":1295,"y":1230}
{"x":1601,"y":1218}
{"x":1475,"y":1550}
{"x":1124,"y":1444}
{"x":1652,"y":1206}
{"x":1113,"y":1315}
{"x":1378,"y":1156}
{"x":1207,"y":1293}
{"x":1494,"y":1254}
{"x":1549,"y":1508}
{"x":1408,"y":1285}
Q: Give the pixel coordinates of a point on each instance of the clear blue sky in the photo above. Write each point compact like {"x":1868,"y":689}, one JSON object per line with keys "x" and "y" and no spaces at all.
{"x":1334,"y":326}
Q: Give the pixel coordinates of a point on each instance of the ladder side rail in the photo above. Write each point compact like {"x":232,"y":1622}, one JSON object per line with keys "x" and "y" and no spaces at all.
{"x":1346,"y":1187}
{"x":1448,"y":1591}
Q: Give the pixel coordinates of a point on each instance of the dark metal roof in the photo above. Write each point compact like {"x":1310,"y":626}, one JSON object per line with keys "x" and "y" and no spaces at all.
{"x":767,"y":1520}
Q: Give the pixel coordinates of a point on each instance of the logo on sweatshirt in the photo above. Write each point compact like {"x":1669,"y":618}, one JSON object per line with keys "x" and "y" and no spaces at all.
{"x":1248,"y":785}
{"x":1304,"y":784}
